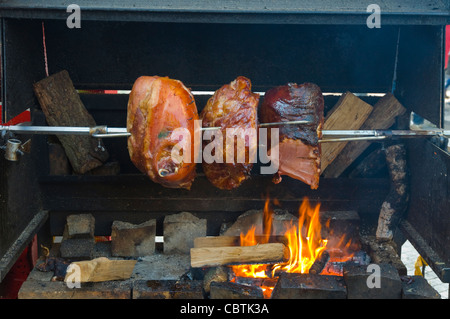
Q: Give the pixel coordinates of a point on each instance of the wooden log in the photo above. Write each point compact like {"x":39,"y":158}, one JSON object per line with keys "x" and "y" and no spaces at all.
{"x":349,"y":113}
{"x":382,"y":117}
{"x":62,"y":106}
{"x":216,"y":241}
{"x":396,"y":202}
{"x":99,"y":269}
{"x":218,"y":256}
{"x":229,"y":241}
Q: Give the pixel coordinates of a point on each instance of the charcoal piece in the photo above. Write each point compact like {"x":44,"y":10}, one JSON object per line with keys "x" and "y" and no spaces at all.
{"x":320,"y":263}
{"x":215,"y":274}
{"x":55,"y":264}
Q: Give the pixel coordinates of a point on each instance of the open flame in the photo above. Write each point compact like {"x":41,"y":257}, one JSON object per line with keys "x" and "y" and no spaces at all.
{"x":303,"y":239}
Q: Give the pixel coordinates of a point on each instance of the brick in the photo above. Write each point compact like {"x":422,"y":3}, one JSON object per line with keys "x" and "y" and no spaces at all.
{"x":77,"y":248}
{"x":357,"y":276}
{"x":80,"y":226}
{"x":417,"y":287}
{"x":167,"y":289}
{"x":309,"y":286}
{"x":231,"y":290}
{"x":180,"y":230}
{"x":129,"y":240}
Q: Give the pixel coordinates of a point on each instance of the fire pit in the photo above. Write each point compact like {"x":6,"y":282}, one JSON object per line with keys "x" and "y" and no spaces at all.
{"x":380,"y":182}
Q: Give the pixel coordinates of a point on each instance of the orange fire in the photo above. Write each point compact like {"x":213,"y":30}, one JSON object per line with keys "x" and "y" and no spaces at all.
{"x":303,"y":240}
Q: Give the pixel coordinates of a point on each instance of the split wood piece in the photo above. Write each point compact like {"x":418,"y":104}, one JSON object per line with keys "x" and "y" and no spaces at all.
{"x":62,"y":106}
{"x":99,"y":269}
{"x":396,"y":202}
{"x":229,"y":241}
{"x":382,"y":117}
{"x":218,"y":256}
{"x":349,"y":113}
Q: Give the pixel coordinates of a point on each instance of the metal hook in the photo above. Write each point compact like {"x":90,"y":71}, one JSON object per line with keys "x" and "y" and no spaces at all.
{"x":100,"y":146}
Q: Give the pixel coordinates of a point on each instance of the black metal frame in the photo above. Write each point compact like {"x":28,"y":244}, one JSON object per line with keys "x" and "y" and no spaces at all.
{"x":329,"y":45}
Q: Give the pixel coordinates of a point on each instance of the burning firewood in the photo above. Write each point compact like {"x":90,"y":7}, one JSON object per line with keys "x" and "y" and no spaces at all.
{"x":218,"y":256}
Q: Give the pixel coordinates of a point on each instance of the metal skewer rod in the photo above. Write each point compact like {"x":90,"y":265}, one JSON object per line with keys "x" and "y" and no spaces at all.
{"x":389,"y":133}
{"x":104,"y":131}
{"x":284,"y":123}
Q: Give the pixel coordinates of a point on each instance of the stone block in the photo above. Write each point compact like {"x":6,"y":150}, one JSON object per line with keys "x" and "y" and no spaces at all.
{"x":80,"y":226}
{"x":231,"y":290}
{"x":77,"y":248}
{"x":417,"y":287}
{"x":309,"y":286}
{"x":375,"y":281}
{"x":180,"y":230}
{"x":129,"y":240}
{"x":167,"y":289}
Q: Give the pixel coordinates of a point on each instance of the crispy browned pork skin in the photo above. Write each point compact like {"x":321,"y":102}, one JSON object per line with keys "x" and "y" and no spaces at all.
{"x":299,"y":147}
{"x":157,"y":106}
{"x":233,"y":106}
